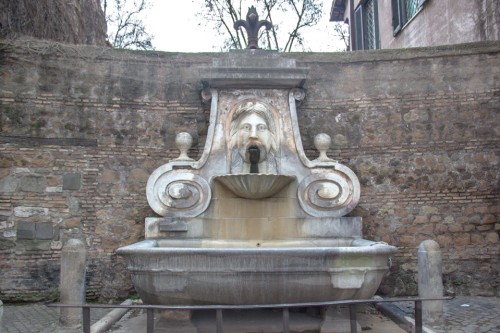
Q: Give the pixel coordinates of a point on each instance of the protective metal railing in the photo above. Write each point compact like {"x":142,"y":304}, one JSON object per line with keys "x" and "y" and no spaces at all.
{"x":220,"y":308}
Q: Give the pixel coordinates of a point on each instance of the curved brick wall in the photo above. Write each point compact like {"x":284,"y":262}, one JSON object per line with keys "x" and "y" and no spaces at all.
{"x":81,"y":128}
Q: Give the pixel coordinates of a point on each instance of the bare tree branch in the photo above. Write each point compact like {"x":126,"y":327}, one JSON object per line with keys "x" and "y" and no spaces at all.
{"x":125,"y":27}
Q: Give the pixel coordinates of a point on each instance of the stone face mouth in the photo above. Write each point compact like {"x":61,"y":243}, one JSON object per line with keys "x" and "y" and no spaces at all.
{"x":255,"y":185}
{"x":254,"y":153}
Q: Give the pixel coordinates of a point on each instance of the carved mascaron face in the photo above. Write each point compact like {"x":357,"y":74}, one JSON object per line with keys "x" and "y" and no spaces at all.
{"x":253,"y":126}
{"x":253,"y":131}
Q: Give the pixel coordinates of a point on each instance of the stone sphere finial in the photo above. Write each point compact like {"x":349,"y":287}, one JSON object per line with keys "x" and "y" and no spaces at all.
{"x":322,"y":143}
{"x":183,"y":141}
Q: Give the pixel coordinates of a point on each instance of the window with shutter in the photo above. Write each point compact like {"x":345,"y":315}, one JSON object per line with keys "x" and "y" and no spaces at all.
{"x":396,"y":16}
{"x":403,"y":11}
{"x":366,"y":28}
{"x":358,"y":28}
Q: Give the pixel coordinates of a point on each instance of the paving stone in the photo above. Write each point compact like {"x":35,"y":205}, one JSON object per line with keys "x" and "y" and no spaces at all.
{"x":466,"y":314}
{"x":36,"y":318}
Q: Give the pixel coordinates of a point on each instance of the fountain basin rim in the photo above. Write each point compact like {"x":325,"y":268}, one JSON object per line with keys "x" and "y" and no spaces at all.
{"x":358,"y":246}
{"x":184,"y":273}
{"x":255,"y":185}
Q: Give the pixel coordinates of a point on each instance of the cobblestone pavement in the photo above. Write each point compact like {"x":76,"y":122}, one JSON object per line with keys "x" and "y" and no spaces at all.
{"x":34,"y":318}
{"x":463,"y":314}
{"x":27,"y":318}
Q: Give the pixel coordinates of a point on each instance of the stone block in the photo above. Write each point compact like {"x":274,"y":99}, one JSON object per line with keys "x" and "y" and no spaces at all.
{"x":430,"y":283}
{"x":72,"y":181}
{"x":455,"y":228}
{"x":26,"y":230}
{"x":486,"y":227}
{"x":5,"y":213}
{"x":32,"y":183}
{"x":24,"y":211}
{"x":73,"y":204}
{"x":54,"y":189}
{"x":72,"y":285}
{"x":73,"y":222}
{"x":489,"y":219}
{"x":421,"y":219}
{"x":8,"y":184}
{"x":462,"y":239}
{"x":477,"y":239}
{"x":44,"y":231}
{"x":4,"y":223}
{"x":10,"y":233}
{"x":492,"y":237}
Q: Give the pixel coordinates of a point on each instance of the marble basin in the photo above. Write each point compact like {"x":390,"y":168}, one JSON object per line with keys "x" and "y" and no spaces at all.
{"x":255,"y":185}
{"x":205,"y":271}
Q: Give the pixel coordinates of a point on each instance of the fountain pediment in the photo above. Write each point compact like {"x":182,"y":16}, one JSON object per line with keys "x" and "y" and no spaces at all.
{"x":247,"y":69}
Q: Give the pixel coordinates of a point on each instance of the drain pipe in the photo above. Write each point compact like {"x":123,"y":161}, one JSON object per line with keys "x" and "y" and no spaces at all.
{"x":105,"y":323}
{"x":352,"y":33}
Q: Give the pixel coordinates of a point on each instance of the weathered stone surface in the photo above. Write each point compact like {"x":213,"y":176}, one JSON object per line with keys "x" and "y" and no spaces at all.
{"x":430,"y":281}
{"x":72,"y":181}
{"x":32,"y":184}
{"x":492,"y":237}
{"x":8,"y":184}
{"x":22,"y":211}
{"x":72,"y":287}
{"x":74,"y":222}
{"x":44,"y":230}
{"x":26,"y":230}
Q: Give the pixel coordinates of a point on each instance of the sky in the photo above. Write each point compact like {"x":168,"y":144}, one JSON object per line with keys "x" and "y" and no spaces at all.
{"x":176,"y":28}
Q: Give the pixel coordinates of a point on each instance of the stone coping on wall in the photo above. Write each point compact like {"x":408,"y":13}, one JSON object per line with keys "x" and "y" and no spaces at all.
{"x":103,"y":53}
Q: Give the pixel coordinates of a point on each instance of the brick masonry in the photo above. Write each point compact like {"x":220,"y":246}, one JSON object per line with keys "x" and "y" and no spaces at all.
{"x":83,"y":127}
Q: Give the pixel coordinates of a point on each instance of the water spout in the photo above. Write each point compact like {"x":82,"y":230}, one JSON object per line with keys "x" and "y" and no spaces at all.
{"x":254,"y":153}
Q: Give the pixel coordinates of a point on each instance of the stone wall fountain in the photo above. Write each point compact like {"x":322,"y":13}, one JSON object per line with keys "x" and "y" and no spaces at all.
{"x":254,"y":221}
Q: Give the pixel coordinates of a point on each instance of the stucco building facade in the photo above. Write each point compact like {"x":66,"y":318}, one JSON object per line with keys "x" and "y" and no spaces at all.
{"x":391,"y":24}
